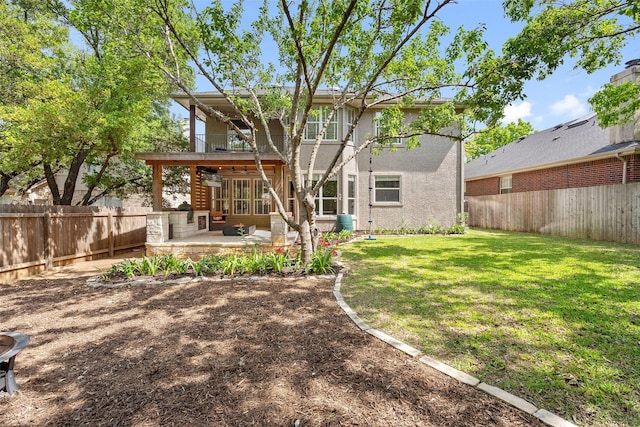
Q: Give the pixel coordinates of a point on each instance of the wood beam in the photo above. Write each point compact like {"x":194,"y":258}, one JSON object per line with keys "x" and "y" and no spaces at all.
{"x":156,"y":187}
{"x":193,"y":186}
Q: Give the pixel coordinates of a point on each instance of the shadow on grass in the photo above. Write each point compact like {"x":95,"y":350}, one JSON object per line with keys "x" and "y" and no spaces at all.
{"x":546,"y":318}
{"x":218,"y":353}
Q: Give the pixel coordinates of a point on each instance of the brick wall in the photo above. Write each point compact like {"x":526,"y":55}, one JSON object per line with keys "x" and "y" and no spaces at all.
{"x":633,"y":169}
{"x":587,"y":174}
{"x":483,"y":187}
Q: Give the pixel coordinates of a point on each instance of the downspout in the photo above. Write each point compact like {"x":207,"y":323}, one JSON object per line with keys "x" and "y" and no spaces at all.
{"x":460,"y":178}
{"x":624,"y":167}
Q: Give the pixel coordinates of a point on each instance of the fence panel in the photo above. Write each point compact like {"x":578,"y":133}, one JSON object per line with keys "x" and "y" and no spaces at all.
{"x":608,"y":212}
{"x":33,"y":238}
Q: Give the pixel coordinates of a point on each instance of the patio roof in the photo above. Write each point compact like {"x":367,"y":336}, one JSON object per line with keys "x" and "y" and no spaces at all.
{"x":185,"y":158}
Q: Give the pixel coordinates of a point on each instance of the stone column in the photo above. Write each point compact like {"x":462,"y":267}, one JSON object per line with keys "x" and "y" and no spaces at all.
{"x":279,"y":230}
{"x":157,"y":227}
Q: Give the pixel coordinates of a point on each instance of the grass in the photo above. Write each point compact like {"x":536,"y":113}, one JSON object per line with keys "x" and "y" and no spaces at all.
{"x":555,"y":321}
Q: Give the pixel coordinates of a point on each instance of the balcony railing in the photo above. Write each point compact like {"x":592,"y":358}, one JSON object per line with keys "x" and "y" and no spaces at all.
{"x":221,"y":143}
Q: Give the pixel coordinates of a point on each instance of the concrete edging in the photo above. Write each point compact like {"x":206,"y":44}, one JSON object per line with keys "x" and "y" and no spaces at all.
{"x":515,"y":401}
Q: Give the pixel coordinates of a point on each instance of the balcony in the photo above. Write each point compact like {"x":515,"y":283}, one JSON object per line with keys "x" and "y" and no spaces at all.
{"x":223,"y":143}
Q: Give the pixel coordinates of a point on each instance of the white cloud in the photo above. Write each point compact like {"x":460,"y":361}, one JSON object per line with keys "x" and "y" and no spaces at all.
{"x":569,"y":105}
{"x":514,"y":112}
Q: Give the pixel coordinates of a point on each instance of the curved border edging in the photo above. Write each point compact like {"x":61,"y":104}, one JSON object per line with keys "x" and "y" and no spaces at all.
{"x":543,"y":415}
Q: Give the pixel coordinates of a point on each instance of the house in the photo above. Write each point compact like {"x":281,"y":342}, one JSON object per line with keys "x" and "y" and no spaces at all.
{"x":575,"y":154}
{"x":40,"y":193}
{"x":404,"y":186}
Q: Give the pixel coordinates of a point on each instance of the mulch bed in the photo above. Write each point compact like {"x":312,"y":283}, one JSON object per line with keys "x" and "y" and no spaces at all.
{"x":268,"y":352}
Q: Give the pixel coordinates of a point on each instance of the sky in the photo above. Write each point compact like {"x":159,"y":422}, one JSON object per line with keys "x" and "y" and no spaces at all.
{"x":559,"y":98}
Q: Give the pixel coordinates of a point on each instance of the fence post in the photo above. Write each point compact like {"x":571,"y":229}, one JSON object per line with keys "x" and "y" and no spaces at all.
{"x":110,"y":233}
{"x":46,"y":235}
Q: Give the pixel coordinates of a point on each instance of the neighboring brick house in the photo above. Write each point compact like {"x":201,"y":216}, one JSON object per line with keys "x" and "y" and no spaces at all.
{"x":575,"y":154}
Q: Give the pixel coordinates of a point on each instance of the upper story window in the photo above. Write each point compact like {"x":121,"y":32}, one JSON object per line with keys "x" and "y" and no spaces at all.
{"x":317,"y":119}
{"x":351,"y":118}
{"x":378,"y":129}
{"x":505,"y":184}
{"x":234,"y":141}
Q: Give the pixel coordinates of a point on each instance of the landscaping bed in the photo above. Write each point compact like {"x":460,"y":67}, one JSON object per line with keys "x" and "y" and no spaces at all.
{"x":242,"y":351}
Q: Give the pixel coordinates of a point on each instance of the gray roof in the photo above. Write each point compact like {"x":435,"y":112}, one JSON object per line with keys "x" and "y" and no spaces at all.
{"x":563,"y":143}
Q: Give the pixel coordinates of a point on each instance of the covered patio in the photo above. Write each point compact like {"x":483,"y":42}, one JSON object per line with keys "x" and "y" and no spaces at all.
{"x":237,"y":197}
{"x":226,"y":188}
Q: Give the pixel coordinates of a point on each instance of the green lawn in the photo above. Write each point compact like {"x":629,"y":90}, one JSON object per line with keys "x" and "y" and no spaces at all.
{"x":555,"y":321}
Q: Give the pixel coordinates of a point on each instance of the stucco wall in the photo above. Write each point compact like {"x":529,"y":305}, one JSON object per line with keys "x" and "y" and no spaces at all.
{"x":428,"y":185}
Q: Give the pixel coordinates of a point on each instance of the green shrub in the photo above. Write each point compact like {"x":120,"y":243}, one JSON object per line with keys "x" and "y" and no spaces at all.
{"x":169,"y":264}
{"x":254,"y":263}
{"x":278,"y":261}
{"x":460,"y":227}
{"x":345,"y":234}
{"x":231,"y":265}
{"x":329,"y":236}
{"x":211,"y":263}
{"x":149,"y":266}
{"x":128,"y":268}
{"x":196,"y":266}
{"x":320,"y":262}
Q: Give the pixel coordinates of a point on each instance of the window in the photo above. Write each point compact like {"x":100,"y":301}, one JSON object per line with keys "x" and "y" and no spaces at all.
{"x":351,"y":195}
{"x":505,"y":184}
{"x":241,"y":196}
{"x":387,"y":189}
{"x":317,"y":118}
{"x":378,"y":129}
{"x":351,"y":117}
{"x":261,"y":198}
{"x":327,"y":200}
{"x":291,"y":198}
{"x":234,"y":142}
{"x":221,"y":197}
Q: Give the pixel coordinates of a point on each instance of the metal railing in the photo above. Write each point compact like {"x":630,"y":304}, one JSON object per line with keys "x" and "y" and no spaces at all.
{"x":221,"y":143}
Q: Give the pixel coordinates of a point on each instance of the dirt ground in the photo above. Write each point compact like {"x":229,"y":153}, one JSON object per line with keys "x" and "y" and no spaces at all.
{"x":268,"y":352}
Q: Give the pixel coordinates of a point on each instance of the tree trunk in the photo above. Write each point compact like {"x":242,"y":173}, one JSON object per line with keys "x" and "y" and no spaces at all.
{"x":49,"y":174}
{"x":87,"y":199}
{"x":308,"y":231}
{"x":72,"y":176}
{"x":4,"y":183}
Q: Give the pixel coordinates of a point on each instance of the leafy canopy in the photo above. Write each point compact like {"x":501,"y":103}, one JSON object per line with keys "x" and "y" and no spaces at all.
{"x":290,"y":61}
{"x":492,"y":138}
{"x":590,"y":32}
{"x":67,"y":105}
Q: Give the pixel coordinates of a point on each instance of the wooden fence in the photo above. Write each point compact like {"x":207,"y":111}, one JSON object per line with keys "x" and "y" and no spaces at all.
{"x":34,"y":238}
{"x":609,"y":212}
